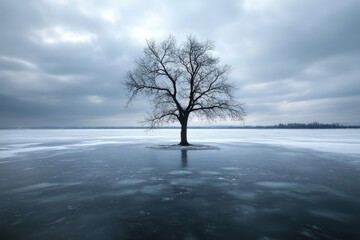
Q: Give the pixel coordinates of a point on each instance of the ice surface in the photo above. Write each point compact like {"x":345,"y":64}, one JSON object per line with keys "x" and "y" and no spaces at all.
{"x":153,"y":189}
{"x":15,"y":142}
{"x":41,"y":186}
{"x":108,"y":184}
{"x":289,"y":185}
{"x":130,"y":182}
{"x":186,"y":182}
{"x":209,"y":172}
{"x":332,"y":215}
{"x":180,"y":172}
{"x":230,"y":168}
{"x":179,"y":147}
{"x":300,"y":187}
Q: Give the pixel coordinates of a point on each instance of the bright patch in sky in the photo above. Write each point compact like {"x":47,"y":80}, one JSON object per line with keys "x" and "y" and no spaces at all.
{"x":151,"y":26}
{"x":95,"y":99}
{"x":60,"y":34}
{"x":109,"y":16}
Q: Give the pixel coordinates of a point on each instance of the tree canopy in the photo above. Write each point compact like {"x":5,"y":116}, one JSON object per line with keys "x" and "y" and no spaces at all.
{"x":182,"y":80}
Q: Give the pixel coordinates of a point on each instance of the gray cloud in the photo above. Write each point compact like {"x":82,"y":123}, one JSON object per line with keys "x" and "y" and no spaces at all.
{"x":62,"y":62}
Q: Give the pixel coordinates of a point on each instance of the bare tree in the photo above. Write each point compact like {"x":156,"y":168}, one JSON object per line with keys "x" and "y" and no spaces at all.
{"x":181,"y":80}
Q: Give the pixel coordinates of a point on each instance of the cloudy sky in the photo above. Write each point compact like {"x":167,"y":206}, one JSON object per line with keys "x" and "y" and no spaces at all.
{"x":62,"y":62}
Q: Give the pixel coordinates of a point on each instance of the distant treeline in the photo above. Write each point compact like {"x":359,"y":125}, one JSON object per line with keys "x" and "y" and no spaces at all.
{"x":313,"y":125}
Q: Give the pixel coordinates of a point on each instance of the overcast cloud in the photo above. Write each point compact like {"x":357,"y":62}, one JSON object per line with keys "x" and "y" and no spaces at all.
{"x":62,"y":62}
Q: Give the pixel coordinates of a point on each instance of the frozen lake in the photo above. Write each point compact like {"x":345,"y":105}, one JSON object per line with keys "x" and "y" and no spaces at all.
{"x":112,"y":184}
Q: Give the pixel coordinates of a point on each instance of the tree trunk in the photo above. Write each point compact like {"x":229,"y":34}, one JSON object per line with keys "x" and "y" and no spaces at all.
{"x":183,"y":134}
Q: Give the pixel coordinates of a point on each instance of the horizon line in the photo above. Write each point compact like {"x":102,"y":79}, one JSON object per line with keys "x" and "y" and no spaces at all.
{"x":277,"y":126}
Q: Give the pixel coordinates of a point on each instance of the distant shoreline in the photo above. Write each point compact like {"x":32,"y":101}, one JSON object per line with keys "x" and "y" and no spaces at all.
{"x":190,"y":127}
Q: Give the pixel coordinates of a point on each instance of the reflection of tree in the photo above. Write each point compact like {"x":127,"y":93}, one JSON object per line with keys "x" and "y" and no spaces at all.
{"x":184,"y":158}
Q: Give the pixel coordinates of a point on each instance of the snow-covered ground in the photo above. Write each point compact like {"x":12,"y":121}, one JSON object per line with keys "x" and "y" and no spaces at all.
{"x":118,"y":184}
{"x":14,"y":142}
